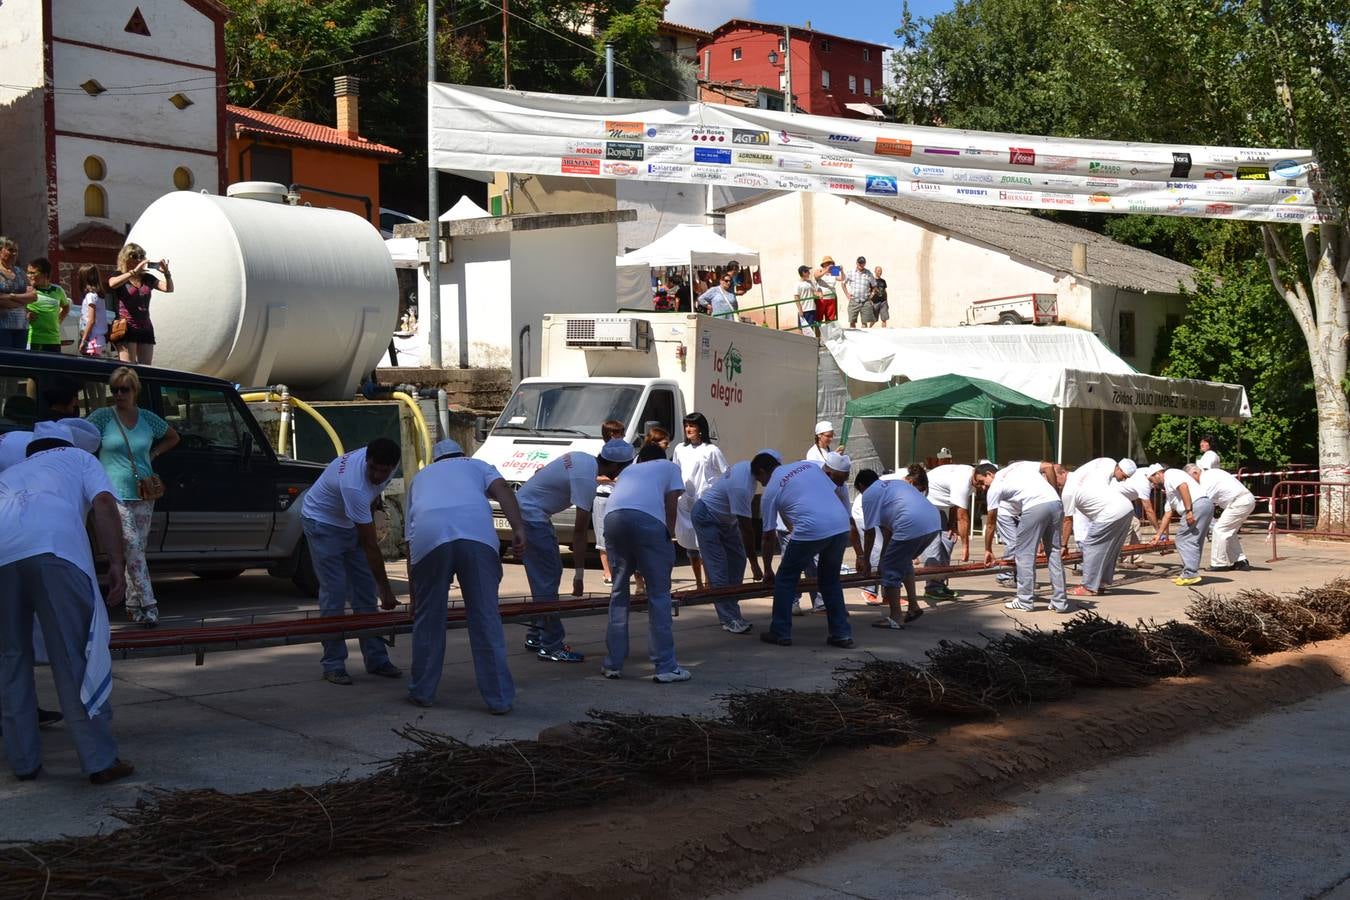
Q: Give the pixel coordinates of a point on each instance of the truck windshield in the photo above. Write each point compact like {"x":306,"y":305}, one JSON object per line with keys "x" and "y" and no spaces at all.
{"x":575,"y":409}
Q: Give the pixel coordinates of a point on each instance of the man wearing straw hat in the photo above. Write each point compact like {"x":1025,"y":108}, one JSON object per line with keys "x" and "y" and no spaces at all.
{"x":827,"y":305}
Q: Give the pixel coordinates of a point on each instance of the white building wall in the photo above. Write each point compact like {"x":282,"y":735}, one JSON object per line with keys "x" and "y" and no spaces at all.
{"x":136,"y":177}
{"x":177,"y":31}
{"x":23,"y":197}
{"x":660,"y":207}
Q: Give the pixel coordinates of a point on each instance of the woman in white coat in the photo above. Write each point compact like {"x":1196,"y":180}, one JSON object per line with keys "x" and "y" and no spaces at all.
{"x":701,"y":463}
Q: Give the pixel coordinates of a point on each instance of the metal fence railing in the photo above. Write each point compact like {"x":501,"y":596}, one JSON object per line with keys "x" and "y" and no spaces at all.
{"x":1312,"y":508}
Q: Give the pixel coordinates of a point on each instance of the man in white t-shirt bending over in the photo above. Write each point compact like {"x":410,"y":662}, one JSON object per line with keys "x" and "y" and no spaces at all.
{"x":1022,"y":490}
{"x":1188,"y":502}
{"x":337,"y":515}
{"x":1090,"y":492}
{"x":949,"y":491}
{"x":1237,"y":503}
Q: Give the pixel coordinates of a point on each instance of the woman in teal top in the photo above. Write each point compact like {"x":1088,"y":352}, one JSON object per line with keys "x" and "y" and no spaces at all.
{"x":125,"y":425}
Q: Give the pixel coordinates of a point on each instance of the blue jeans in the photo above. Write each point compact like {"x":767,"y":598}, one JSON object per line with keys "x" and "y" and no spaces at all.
{"x":544,"y":571}
{"x":897,"y":560}
{"x":808,"y":570}
{"x":344,"y":577}
{"x":724,"y":557}
{"x":60,"y":597}
{"x":479,"y":570}
{"x":638,"y":543}
{"x":13,"y":338}
{"x":796,"y":556}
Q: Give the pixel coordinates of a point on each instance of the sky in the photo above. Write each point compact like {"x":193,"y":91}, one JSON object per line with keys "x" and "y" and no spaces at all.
{"x":870,"y":20}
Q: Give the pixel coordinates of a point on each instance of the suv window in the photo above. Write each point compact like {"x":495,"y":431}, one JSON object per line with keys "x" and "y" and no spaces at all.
{"x":18,"y":402}
{"x":205,"y":418}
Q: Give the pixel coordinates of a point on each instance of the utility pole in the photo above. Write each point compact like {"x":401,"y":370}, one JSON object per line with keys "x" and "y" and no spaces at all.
{"x":506,"y":48}
{"x":433,"y":214}
{"x":787,"y":64}
{"x":609,"y":70}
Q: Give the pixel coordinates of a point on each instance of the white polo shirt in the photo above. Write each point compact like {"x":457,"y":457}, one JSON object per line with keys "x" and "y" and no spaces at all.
{"x":1018,"y":488}
{"x":1208,"y":460}
{"x":448,"y":502}
{"x":733,"y":494}
{"x":1173,"y":479}
{"x":44,"y":501}
{"x":807,"y":499}
{"x":567,"y":481}
{"x":14,"y":447}
{"x":1222,"y":488}
{"x":1136,"y":487}
{"x":644,"y":486}
{"x":949,"y":486}
{"x":342,"y":496}
{"x":1086,"y":492}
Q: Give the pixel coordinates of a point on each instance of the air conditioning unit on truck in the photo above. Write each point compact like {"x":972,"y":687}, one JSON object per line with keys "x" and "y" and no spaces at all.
{"x":756,"y":385}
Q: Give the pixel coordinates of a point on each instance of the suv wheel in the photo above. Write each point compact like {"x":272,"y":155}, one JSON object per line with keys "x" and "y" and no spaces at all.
{"x":304,"y":577}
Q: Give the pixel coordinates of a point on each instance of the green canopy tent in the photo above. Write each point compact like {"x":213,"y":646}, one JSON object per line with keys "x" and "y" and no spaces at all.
{"x":950,"y":398}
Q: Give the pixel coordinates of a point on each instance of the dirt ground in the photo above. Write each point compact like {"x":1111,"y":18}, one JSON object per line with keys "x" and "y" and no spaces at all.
{"x":699,"y":841}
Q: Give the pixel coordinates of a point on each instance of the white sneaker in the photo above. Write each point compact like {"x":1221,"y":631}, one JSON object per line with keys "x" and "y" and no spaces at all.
{"x":1013,"y":604}
{"x":611,"y":673}
{"x":668,"y":677}
{"x":737,"y":626}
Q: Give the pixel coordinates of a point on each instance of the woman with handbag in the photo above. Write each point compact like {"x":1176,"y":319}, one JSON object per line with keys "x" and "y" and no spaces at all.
{"x":130,"y":289}
{"x":132,"y":438}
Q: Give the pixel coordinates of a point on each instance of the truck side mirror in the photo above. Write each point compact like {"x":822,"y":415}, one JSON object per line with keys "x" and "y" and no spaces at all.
{"x":480,"y":429}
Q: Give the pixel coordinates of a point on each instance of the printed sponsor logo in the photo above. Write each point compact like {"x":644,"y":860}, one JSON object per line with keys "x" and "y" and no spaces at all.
{"x":666,"y":170}
{"x":1217,"y":174}
{"x":1218,"y":209}
{"x":1021,"y":156}
{"x":585,"y":148}
{"x":667,"y":151}
{"x":704,"y":174}
{"x":1103,"y":182}
{"x":750,"y":179}
{"x":1253,"y":173}
{"x":1288,"y":168}
{"x":753,"y":158}
{"x":1175,"y":186}
{"x":787,"y":138}
{"x":842,"y":184}
{"x":728,"y":367}
{"x":793,"y":183}
{"x":940,"y":151}
{"x":1220,"y":190}
{"x":1291,"y":192}
{"x":1015,"y":179}
{"x":1059,"y":163}
{"x":714,"y":155}
{"x":1097,"y":167}
{"x":794,"y":164}
{"x":882,"y":184}
{"x":1144,"y":206}
{"x":623,"y":130}
{"x":928,"y":171}
{"x":749,"y":136}
{"x":708,"y":135}
{"x":976,"y":177}
{"x":1181,"y":165}
{"x":1059,"y":181}
{"x":972,"y":192}
{"x":1295,"y":216}
{"x":1252,"y":155}
{"x":667,"y":133}
{"x":1291,"y":198}
{"x":1099,"y":197}
{"x":985,"y":154}
{"x":630,"y":152}
{"x":580,"y":165}
{"x":923,"y":186}
{"x":843,"y":139}
{"x":620,"y":168}
{"x":1051,"y":199}
{"x":1016,"y":196}
{"x":836,"y":162}
{"x":894,"y":147}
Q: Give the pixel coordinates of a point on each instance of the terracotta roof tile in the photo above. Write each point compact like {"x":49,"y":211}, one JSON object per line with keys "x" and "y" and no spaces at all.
{"x":270,"y":125}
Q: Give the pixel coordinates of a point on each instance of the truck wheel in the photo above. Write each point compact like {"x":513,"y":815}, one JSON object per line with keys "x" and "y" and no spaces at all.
{"x":304,"y":577}
{"x":217,"y":574}
{"x":1009,"y":318}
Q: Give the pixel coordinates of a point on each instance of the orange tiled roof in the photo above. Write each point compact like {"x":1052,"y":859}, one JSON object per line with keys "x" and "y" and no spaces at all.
{"x":270,"y":125}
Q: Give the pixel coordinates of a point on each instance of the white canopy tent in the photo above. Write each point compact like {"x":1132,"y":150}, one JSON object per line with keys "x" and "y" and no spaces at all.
{"x":404,"y":250}
{"x":1067,"y":367}
{"x":692,"y":246}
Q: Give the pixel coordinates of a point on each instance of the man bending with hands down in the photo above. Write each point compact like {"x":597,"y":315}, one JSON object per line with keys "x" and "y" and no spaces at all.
{"x":949,"y":492}
{"x":639,"y":527}
{"x":570,"y":480}
{"x":1188,"y":501}
{"x":339,"y":524}
{"x":47,"y":574}
{"x":1237,"y":503}
{"x":1024,"y":490}
{"x":723,"y":520}
{"x":451,"y":535}
{"x":1090,"y":492}
{"x":908,"y":524}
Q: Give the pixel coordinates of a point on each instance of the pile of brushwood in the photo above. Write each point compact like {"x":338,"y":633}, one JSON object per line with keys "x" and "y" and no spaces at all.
{"x":177,"y":841}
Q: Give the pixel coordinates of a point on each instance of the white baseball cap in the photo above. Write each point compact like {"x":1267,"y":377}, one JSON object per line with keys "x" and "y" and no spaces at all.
{"x":1128,"y":466}
{"x":53,"y":431}
{"x":1154,"y":469}
{"x":823,"y":426}
{"x":944,"y":453}
{"x":446,"y":448}
{"x":838,"y":461}
{"x":617,"y":450}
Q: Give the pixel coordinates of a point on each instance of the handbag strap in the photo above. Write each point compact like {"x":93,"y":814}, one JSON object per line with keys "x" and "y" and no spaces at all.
{"x":126,"y":438}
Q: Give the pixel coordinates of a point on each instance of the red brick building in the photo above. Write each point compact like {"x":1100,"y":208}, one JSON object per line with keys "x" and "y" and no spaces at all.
{"x":831,"y":75}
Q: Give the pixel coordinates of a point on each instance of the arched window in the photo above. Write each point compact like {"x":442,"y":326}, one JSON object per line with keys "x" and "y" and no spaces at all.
{"x":95,"y":202}
{"x":94,"y":168}
{"x":182,"y":178}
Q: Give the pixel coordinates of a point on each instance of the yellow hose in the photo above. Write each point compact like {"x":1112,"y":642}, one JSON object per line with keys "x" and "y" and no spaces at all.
{"x":423,"y":433}
{"x":261,"y":397}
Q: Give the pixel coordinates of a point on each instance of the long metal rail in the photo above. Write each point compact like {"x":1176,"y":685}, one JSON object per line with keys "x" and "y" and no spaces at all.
{"x":199,"y":640}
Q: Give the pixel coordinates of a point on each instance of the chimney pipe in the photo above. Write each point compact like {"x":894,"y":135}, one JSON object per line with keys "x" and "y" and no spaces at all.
{"x":347,"y":89}
{"x":1080,"y":260}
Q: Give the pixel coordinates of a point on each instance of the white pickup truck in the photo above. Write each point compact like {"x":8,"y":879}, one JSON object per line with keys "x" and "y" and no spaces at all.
{"x":756,"y":385}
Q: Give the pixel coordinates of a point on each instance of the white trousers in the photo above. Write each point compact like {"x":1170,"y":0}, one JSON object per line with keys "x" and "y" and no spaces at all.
{"x":1225,"y":548}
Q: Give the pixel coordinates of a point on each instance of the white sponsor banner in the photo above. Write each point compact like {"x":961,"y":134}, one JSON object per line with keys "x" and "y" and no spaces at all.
{"x":1152,"y":394}
{"x":490,"y":129}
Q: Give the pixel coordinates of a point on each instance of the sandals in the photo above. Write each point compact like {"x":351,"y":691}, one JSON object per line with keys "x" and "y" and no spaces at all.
{"x":913,"y":614}
{"x":1081,"y":591}
{"x":889,"y":624}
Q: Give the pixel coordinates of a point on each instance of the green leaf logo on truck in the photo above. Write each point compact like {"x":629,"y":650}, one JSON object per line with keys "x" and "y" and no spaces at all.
{"x":728,"y":368}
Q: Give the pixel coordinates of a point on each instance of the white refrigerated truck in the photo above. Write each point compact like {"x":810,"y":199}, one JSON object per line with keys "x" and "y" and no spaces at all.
{"x":756,"y":385}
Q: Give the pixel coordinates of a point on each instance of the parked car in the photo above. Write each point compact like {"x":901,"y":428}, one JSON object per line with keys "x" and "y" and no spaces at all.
{"x":230,"y":502}
{"x":391,"y":217}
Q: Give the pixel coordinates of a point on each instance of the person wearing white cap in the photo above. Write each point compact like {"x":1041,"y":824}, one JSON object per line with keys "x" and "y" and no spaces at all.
{"x":639,"y":525}
{"x":806,"y":495}
{"x":908,"y":524}
{"x":701,"y":463}
{"x":1024,"y":490}
{"x":451,"y":537}
{"x":724,"y":521}
{"x":1237,"y":503}
{"x":1187,"y":501}
{"x":569,"y":480}
{"x":1089,"y":492}
{"x":1132,"y":483}
{"x":824,"y":437}
{"x":47,"y":577}
{"x":949,"y":492}
{"x":943,"y":456}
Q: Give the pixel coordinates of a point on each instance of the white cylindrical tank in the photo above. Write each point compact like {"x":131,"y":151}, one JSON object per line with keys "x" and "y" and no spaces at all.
{"x":267,"y":293}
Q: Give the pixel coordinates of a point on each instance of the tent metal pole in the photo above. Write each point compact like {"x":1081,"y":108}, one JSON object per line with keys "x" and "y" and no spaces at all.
{"x":1189,"y":421}
{"x":1059,"y":452}
{"x":975,"y":431}
{"x":896,"y":454}
{"x":1129,"y":435}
